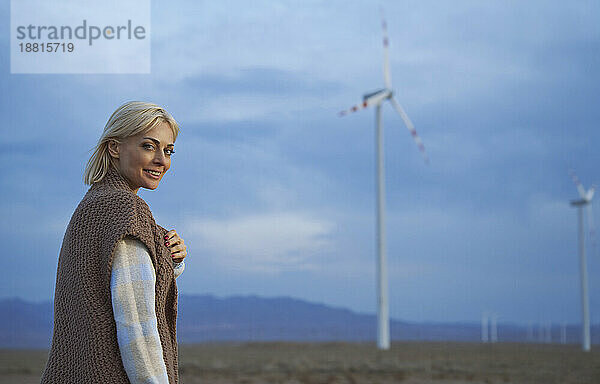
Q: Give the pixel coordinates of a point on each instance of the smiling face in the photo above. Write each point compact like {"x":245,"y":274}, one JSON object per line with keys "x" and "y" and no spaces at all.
{"x":143,"y":159}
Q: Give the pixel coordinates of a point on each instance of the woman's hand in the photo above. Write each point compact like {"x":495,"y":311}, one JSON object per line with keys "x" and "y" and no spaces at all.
{"x":176,"y":246}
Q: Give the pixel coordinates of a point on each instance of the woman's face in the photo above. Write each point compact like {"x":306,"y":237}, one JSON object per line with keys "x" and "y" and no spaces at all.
{"x":143,"y":159}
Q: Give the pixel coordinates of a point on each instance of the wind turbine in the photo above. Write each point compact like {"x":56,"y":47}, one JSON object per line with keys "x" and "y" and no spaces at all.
{"x":584,"y":201}
{"x":485,"y":317}
{"x":376,"y":99}
{"x":494,"y":328}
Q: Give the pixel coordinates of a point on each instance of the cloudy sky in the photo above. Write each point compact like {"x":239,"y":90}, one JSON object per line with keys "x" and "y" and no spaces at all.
{"x":274,"y":193}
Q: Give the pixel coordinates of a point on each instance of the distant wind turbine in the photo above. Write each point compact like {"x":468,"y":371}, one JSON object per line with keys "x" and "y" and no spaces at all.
{"x":494,"y":328}
{"x":377,"y":98}
{"x":485,"y":327}
{"x":585,"y":200}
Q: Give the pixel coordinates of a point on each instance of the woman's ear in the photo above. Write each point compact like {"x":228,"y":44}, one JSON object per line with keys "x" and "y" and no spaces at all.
{"x":113,"y":148}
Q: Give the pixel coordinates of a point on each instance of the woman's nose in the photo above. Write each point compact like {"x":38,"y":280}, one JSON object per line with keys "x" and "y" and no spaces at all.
{"x":160,"y":157}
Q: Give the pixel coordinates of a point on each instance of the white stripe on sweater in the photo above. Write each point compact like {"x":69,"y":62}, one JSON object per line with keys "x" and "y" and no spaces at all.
{"x":132,"y":288}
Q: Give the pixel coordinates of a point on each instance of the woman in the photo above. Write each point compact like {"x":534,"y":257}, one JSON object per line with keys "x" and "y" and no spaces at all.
{"x":115,"y":304}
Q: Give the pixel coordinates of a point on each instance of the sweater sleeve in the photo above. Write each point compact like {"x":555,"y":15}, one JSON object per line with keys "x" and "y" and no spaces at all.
{"x":132,"y":288}
{"x":178,"y":268}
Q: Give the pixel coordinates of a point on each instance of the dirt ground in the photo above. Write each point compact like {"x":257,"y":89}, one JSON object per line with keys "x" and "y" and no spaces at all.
{"x":308,"y":363}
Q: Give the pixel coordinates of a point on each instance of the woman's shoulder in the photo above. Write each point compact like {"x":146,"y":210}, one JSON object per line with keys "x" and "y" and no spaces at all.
{"x":113,"y":198}
{"x":112,"y":208}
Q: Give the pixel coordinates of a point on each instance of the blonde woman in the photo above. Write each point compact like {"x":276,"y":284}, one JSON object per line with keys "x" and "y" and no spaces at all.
{"x":115,"y":304}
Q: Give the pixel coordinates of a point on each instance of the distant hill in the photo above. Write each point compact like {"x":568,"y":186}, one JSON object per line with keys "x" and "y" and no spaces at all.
{"x":24,"y":324}
{"x":205,"y":318}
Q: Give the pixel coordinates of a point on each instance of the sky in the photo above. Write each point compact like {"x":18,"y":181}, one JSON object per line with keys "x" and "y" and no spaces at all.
{"x":274,"y":193}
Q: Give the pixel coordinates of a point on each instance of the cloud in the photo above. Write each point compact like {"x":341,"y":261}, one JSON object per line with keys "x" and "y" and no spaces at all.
{"x":244,"y":107}
{"x":501,"y":93}
{"x":264,"y":243}
{"x":253,"y":93}
{"x":257,"y":80}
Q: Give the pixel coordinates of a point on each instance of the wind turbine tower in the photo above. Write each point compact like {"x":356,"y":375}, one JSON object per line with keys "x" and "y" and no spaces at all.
{"x":494,"y":328}
{"x":584,"y":201}
{"x":376,"y":99}
{"x":484,"y":327}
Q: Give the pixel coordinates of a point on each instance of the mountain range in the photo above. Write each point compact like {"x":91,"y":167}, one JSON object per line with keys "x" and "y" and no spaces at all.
{"x":207,"y":318}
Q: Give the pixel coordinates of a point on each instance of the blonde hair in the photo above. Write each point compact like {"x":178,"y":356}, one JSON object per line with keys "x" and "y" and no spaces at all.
{"x":129,"y":119}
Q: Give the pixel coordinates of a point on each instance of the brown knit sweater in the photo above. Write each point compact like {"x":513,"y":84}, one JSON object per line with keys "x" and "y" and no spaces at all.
{"x":84,"y":345}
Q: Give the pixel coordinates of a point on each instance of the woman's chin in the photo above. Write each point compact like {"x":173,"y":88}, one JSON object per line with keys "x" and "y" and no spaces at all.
{"x":151,"y":185}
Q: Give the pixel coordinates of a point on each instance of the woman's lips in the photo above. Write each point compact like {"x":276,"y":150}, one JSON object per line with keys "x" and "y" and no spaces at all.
{"x":154,"y":176}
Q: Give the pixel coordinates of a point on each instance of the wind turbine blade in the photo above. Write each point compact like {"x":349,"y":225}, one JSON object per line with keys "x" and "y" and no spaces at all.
{"x":575,"y":179}
{"x":410,"y":127}
{"x":591,"y":227}
{"x":590,"y":193}
{"x":373,"y":99}
{"x":355,"y":108}
{"x":386,"y":55}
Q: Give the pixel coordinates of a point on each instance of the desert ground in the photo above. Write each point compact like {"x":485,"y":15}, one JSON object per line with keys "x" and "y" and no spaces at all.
{"x":405,"y":362}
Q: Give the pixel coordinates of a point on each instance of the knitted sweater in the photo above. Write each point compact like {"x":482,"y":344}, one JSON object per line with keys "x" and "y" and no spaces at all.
{"x":84,"y":343}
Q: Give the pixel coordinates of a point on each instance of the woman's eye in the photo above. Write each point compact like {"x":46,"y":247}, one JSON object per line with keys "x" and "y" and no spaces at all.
{"x":148,"y":146}
{"x":169,"y":151}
